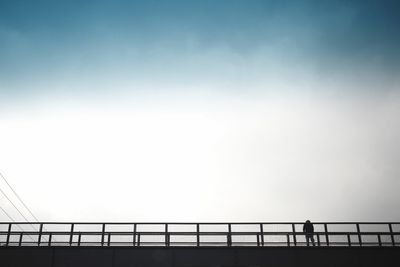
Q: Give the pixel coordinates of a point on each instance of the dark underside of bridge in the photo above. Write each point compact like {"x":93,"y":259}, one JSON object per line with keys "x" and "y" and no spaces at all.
{"x":196,"y":257}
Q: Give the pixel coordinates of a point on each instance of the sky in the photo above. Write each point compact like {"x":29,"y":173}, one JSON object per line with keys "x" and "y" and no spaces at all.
{"x":201,"y":110}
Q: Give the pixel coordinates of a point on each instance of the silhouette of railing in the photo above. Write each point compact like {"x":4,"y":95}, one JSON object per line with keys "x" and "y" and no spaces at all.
{"x":261,"y":234}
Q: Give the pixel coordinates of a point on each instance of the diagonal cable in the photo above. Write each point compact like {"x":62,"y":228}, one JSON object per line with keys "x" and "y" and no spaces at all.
{"x":4,"y":194}
{"x":6,"y":213}
{"x":20,"y":199}
{"x":11,"y":218}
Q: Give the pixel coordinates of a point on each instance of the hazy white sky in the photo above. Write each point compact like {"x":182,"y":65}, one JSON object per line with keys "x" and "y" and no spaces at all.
{"x":192,"y":158}
{"x":221,"y":110}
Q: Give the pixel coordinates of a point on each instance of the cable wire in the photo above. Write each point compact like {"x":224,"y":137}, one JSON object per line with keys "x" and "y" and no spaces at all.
{"x":20,"y":201}
{"x":4,"y":194}
{"x":11,"y":218}
{"x":15,"y":193}
{"x":6,"y":213}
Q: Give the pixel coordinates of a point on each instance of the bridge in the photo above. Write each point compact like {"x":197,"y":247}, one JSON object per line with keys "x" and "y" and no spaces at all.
{"x":54,"y":244}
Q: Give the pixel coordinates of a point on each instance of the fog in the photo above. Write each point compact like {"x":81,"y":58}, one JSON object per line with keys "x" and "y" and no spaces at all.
{"x":197,"y":158}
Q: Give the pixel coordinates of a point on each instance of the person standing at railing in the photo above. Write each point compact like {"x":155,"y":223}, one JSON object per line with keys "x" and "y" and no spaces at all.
{"x":308,"y":229}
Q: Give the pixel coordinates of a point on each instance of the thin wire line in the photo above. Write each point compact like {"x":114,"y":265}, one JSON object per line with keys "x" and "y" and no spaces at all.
{"x":14,"y":204}
{"x":15,"y":193}
{"x":1,"y":190}
{"x":11,"y":218}
{"x":8,"y":215}
{"x":23,"y":203}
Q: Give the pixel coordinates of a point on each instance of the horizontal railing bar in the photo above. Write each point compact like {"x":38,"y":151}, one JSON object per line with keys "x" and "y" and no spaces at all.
{"x":195,"y":223}
{"x":283,"y":243}
{"x":195,"y":233}
{"x":188,"y":242}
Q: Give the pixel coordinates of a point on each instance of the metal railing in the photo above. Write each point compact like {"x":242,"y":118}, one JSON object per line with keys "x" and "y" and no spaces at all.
{"x":260,"y":234}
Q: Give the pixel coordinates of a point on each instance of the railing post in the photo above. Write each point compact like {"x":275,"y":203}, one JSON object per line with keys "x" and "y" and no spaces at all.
{"x":229,"y":239}
{"x":71,"y":234}
{"x":348,"y":240}
{"x":166,"y":235}
{"x":359,"y":234}
{"x":50,"y":236}
{"x":326,"y":234}
{"x":391,"y":234}
{"x":318,"y":240}
{"x":288,"y":239}
{"x":198,"y":234}
{"x":79,"y":239}
{"x":262,"y":234}
{"x":20,"y":239}
{"x":108,"y":239}
{"x":138,"y":242}
{"x":258,"y":240}
{"x":134,"y":234}
{"x":40,"y":234}
{"x":379,"y":240}
{"x":294,"y":234}
{"x":103,"y":229}
{"x":8,"y":234}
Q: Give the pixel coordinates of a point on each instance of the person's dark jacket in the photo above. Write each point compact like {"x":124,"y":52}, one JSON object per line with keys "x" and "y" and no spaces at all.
{"x":308,"y":228}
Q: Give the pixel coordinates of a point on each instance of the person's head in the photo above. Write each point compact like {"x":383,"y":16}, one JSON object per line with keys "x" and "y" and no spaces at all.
{"x":308,"y":221}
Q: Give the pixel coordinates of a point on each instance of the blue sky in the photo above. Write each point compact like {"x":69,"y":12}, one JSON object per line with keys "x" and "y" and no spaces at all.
{"x":283,"y":102}
{"x":90,"y":46}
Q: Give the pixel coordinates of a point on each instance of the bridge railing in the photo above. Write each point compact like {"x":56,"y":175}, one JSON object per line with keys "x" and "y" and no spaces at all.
{"x":260,"y":234}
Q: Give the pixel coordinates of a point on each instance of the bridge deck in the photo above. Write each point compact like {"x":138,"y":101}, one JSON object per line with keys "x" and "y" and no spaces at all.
{"x":200,"y":256}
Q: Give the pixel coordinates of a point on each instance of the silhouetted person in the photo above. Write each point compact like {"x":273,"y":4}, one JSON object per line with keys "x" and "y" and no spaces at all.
{"x":308,"y":229}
